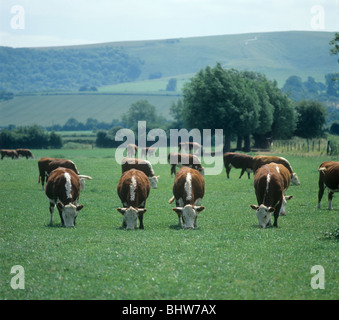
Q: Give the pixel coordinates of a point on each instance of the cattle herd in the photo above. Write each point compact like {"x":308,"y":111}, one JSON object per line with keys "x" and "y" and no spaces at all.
{"x":272,"y":177}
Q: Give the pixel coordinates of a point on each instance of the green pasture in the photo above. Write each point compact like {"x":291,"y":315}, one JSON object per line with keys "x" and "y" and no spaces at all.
{"x":227,"y":257}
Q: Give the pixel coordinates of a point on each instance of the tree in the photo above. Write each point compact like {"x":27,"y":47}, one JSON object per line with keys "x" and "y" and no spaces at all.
{"x":311,"y":119}
{"x":335,"y":43}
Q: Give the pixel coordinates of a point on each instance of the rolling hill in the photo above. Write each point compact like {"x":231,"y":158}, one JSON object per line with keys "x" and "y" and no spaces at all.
{"x":124,"y":72}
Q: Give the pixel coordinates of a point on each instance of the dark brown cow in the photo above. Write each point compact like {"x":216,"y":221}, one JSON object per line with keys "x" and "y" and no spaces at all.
{"x":239,"y":161}
{"x":47,"y":165}
{"x":183,"y":159}
{"x":25,"y":153}
{"x":188,"y":191}
{"x":269,"y":190}
{"x":63,"y":189}
{"x":9,"y":153}
{"x":188,"y":147}
{"x":133,"y":190}
{"x":143,"y":165}
{"x":259,"y":161}
{"x":328,"y":178}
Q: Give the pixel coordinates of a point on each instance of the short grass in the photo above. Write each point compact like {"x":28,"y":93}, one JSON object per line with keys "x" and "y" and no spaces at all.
{"x":227,"y":257}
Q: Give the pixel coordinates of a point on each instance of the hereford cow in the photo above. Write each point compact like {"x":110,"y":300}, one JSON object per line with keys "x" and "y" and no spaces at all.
{"x":188,"y":191}
{"x":47,"y":165}
{"x":259,"y":161}
{"x":328,"y":178}
{"x":142,"y":165}
{"x":239,"y":161}
{"x":9,"y":153}
{"x":182,"y":159}
{"x":269,"y":190}
{"x":63,"y":190}
{"x":133,"y":190}
{"x":188,"y":147}
{"x":25,"y":153}
{"x":147,"y":152}
{"x":131,"y":150}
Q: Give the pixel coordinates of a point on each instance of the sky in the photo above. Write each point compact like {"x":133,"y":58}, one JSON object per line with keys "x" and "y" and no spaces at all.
{"x":41,"y":23}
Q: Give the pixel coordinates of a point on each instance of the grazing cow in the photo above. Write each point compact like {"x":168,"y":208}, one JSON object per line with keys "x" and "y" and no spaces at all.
{"x":9,"y":153}
{"x":182,"y":159}
{"x":259,"y":161}
{"x":239,"y":161}
{"x":63,"y":190}
{"x":131,"y":150}
{"x":142,"y":165}
{"x":328,"y":177}
{"x":47,"y":165}
{"x":148,"y":151}
{"x":25,"y":153}
{"x":133,"y":190}
{"x":188,"y":191}
{"x":188,"y":147}
{"x":269,"y":190}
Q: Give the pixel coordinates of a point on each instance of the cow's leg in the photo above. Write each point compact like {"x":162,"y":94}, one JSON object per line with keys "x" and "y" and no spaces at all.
{"x":242,"y":172}
{"x":61,"y":218}
{"x":51,"y":210}
{"x":330,"y":197}
{"x":276,"y":216}
{"x":228,"y":169}
{"x":320,"y":192}
{"x":141,"y":217}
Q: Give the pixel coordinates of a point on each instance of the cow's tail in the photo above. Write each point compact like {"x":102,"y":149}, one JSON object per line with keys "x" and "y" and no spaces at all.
{"x":171,"y":200}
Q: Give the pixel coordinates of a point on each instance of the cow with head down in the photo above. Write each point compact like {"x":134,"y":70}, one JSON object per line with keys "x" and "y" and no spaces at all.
{"x":270,"y":186}
{"x":328,"y":178}
{"x":133,"y":190}
{"x":63,"y":190}
{"x":188,"y":191}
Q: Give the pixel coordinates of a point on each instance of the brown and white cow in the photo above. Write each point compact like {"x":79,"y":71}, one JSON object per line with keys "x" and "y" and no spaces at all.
{"x":328,"y":178}
{"x":188,"y":191}
{"x":143,"y":165}
{"x":9,"y":153}
{"x":47,"y":165}
{"x":269,"y":190}
{"x":239,"y":161}
{"x":188,"y":147}
{"x":183,"y":159}
{"x":63,"y":190}
{"x":25,"y":153}
{"x":131,"y":150}
{"x":259,"y":161}
{"x":133,"y":190}
{"x":147,"y":152}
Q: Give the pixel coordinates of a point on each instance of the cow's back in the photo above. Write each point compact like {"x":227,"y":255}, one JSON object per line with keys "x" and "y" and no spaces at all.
{"x":259,"y":161}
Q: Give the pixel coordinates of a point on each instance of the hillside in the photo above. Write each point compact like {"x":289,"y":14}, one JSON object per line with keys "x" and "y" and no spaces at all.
{"x":125,"y":72}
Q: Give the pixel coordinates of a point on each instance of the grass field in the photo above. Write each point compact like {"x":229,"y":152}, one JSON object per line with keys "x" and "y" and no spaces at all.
{"x":227,"y":257}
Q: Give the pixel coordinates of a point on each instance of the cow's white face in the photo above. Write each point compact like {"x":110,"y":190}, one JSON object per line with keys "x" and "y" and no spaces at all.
{"x":189,"y":215}
{"x":283,"y":205}
{"x":69,"y":213}
{"x":295,"y":179}
{"x":154,"y":181}
{"x":131,"y":215}
{"x":263,"y":215}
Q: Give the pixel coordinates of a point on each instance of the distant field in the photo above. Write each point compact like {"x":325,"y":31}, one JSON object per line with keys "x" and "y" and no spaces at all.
{"x":227,"y":257}
{"x":47,"y":110}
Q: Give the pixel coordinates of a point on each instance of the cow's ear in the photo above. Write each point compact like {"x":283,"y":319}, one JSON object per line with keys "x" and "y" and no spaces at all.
{"x":178,"y":210}
{"x":142,"y":211}
{"x":60,"y":206}
{"x":288,"y":197}
{"x":121,"y":210}
{"x":199,"y":208}
{"x":271,"y":209}
{"x":80,"y":207}
{"x":254,"y":207}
